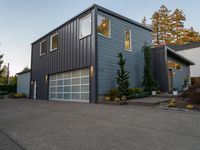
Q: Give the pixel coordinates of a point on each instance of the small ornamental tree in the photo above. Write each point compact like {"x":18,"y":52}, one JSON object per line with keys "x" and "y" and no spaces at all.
{"x":148,"y":80}
{"x":123,"y":76}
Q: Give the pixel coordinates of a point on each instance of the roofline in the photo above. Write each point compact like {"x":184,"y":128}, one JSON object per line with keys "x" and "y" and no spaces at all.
{"x":180,"y":56}
{"x":24,"y":72}
{"x":98,"y":8}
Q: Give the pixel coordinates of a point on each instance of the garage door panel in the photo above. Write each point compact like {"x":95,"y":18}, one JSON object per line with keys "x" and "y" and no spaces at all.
{"x":70,"y":86}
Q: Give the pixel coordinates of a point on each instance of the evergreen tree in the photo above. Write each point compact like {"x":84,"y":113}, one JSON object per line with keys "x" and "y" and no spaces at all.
{"x":123,"y":76}
{"x":144,"y":21}
{"x":177,"y":24}
{"x":156,"y":28}
{"x":165,"y":27}
{"x":168,"y":28}
{"x":148,"y":80}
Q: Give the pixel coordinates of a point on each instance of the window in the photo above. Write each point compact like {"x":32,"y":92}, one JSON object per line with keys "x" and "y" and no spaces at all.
{"x":43,"y":47}
{"x":85,"y":26}
{"x":178,"y":67}
{"x":127,"y":34}
{"x":54,"y":42}
{"x":171,"y":65}
{"x":103,"y":26}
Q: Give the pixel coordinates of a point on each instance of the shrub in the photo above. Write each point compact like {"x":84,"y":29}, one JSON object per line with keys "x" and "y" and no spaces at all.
{"x":138,"y":95}
{"x":107,"y":98}
{"x":4,"y":93}
{"x":8,"y":88}
{"x":117,"y":99}
{"x":193,"y":94}
{"x":113,"y":93}
{"x":17,"y":95}
{"x":134,"y":90}
{"x":123,"y":98}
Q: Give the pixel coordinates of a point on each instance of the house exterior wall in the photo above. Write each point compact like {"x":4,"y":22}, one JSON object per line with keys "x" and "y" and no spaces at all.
{"x":160,"y":67}
{"x":72,"y":53}
{"x":108,"y":48}
{"x":193,"y":55}
{"x":23,"y":83}
{"x":179,"y":75}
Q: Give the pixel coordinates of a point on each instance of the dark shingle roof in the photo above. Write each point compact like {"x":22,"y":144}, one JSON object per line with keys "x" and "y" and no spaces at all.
{"x":185,"y":46}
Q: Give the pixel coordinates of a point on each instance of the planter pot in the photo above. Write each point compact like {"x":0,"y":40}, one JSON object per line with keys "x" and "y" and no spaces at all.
{"x":153,"y":92}
{"x":175,"y":92}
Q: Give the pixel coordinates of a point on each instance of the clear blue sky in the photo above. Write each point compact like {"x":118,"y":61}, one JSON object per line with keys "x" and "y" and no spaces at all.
{"x":24,"y":21}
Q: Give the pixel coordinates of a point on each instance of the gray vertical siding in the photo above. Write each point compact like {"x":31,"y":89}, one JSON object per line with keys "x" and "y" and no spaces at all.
{"x":109,"y":47}
{"x":159,"y":66}
{"x":72,"y":53}
{"x":180,"y":75}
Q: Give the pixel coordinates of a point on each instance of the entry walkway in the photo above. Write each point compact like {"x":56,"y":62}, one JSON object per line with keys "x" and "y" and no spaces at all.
{"x":148,"y":101}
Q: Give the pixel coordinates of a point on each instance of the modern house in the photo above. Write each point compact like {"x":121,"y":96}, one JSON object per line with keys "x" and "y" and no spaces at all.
{"x":170,"y":69}
{"x":23,"y":82}
{"x":192,"y":52}
{"x":78,"y":60}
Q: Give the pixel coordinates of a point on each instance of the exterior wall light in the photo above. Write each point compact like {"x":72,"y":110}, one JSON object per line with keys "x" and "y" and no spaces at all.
{"x":46,"y":78}
{"x":91,"y":70}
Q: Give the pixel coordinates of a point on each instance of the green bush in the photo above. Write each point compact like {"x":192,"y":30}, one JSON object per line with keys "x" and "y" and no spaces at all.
{"x":17,"y":95}
{"x":4,"y":92}
{"x":8,"y":88}
{"x":138,"y":95}
{"x":113,"y":93}
{"x":134,"y":90}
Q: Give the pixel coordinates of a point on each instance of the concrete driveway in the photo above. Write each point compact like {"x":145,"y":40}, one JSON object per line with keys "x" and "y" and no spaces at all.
{"x":50,"y":125}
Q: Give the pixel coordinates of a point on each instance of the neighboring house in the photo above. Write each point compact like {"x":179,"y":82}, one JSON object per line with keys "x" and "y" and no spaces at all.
{"x":23,"y":82}
{"x":170,"y":68}
{"x":192,"y":52}
{"x":78,"y":60}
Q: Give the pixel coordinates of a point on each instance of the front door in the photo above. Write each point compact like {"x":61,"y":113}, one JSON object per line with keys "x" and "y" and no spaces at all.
{"x":34,"y":89}
{"x":170,"y":80}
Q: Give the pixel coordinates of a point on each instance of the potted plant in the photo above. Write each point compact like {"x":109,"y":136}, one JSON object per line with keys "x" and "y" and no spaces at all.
{"x":155,"y":87}
{"x":175,"y":92}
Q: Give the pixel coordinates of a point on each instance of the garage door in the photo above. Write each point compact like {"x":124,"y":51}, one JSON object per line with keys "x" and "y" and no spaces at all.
{"x":70,"y":86}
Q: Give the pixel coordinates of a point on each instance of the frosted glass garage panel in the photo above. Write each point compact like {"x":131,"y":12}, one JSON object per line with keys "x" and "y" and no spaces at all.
{"x":70,"y":86}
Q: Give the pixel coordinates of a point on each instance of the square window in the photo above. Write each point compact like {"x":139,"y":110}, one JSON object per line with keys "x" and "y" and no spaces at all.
{"x":67,"y":96}
{"x":75,"y":88}
{"x":43,"y":47}
{"x":84,"y":96}
{"x":127,"y":43}
{"x":76,"y":96}
{"x":54,"y":42}
{"x":103,"y":26}
{"x":85,"y":26}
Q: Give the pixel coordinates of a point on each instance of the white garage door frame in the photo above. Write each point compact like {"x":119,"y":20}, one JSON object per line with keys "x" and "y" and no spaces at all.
{"x":70,"y":86}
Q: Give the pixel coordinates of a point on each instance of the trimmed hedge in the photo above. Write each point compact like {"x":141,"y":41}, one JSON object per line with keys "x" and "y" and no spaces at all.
{"x":139,"y":95}
{"x":8,"y":88}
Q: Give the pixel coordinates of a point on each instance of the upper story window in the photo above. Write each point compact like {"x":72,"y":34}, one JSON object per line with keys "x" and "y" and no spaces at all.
{"x":85,"y":26}
{"x":54,"y":42}
{"x":43,"y":47}
{"x":127,"y":33}
{"x":103,"y":26}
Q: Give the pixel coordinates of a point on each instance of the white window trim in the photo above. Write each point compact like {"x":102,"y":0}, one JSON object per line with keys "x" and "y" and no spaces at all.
{"x":109,"y":26}
{"x":126,"y":28}
{"x":51,"y":42}
{"x":88,"y":15}
{"x":41,"y":48}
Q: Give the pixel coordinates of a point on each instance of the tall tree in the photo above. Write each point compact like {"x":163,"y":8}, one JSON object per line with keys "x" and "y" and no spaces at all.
{"x":177,"y":24}
{"x":123,"y":76}
{"x":144,"y":21}
{"x":156,"y":28}
{"x":165,"y":28}
{"x":148,"y":80}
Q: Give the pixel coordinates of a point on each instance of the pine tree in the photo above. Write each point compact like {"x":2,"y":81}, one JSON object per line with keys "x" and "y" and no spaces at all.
{"x":144,"y":21}
{"x":123,"y":76}
{"x":148,"y":80}
{"x":177,"y":24}
{"x":156,"y":28}
{"x":165,"y":27}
